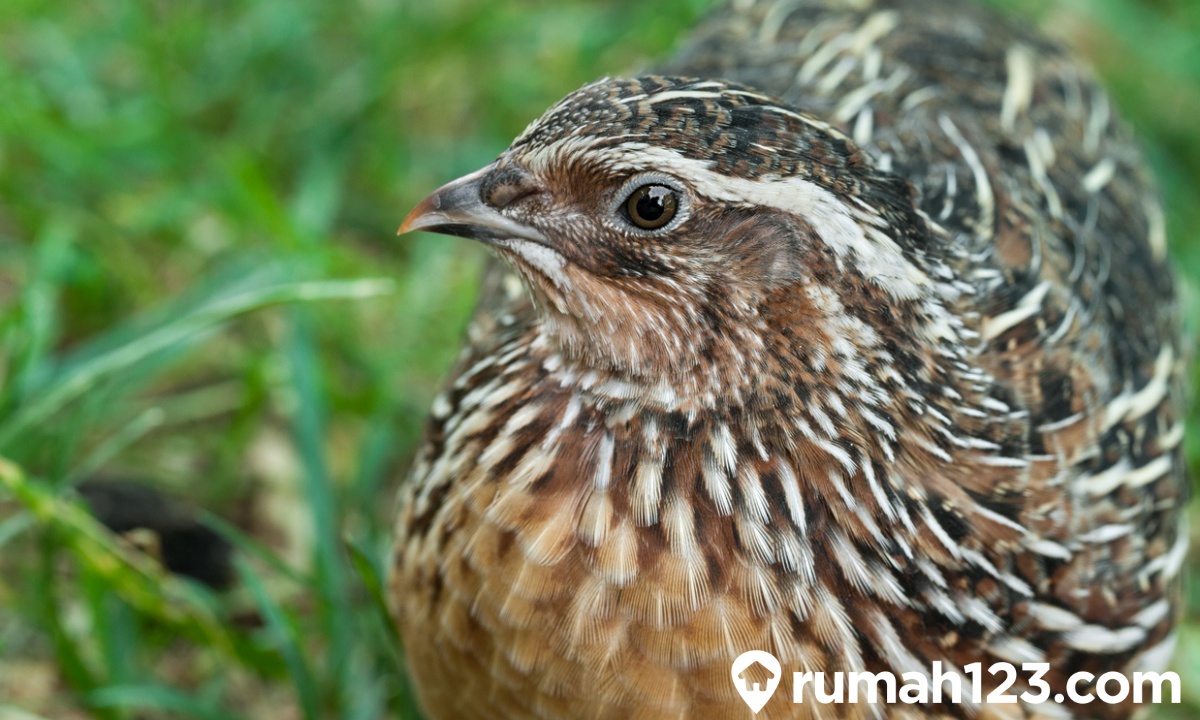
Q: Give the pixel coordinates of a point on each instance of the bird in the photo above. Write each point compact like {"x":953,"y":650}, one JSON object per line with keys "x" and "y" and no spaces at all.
{"x":848,"y":334}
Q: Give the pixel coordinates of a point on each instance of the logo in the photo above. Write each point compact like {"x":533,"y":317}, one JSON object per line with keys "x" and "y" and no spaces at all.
{"x":752,"y":692}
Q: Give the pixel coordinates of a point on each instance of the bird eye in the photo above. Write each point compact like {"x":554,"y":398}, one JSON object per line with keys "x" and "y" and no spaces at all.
{"x":652,"y":206}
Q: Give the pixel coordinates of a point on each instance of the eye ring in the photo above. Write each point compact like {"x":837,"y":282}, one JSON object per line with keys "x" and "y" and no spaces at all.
{"x":652,"y":206}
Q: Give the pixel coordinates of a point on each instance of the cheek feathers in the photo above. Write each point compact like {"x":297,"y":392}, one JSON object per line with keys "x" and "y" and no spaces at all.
{"x":757,"y":246}
{"x":754,"y":230}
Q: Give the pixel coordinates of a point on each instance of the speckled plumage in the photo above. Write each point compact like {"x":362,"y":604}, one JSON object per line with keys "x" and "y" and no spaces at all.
{"x":900,"y":384}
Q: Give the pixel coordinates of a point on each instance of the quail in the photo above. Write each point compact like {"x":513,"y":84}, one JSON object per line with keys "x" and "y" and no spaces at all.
{"x":846,"y":335}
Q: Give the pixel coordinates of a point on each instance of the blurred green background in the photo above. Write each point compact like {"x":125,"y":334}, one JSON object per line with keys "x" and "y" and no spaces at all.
{"x":200,"y":287}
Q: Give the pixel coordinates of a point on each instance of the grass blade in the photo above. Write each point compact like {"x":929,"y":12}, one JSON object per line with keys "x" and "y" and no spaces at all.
{"x":136,"y":578}
{"x":13,"y":526}
{"x":373,"y":583}
{"x":310,"y":431}
{"x":284,"y":636}
{"x":137,"y":428}
{"x":157,"y":697}
{"x":77,"y":380}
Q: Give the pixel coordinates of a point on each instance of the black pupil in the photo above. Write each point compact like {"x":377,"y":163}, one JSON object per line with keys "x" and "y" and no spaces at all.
{"x":653,"y":202}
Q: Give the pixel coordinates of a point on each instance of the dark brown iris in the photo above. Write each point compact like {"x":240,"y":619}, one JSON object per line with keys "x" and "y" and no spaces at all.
{"x":652,"y":206}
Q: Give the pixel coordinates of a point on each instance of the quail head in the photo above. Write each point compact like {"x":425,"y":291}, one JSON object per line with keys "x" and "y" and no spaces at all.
{"x":848,"y":337}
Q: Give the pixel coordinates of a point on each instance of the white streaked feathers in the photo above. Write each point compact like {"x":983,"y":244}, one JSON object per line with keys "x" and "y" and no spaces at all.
{"x":984,"y":194}
{"x":1026,"y":308}
{"x":1018,"y":92}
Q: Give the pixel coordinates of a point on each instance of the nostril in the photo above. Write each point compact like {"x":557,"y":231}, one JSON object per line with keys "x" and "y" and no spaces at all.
{"x":506,"y":185}
{"x":506,"y":194}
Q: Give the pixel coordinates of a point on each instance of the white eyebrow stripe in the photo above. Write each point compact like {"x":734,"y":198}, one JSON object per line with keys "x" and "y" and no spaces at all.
{"x":878,"y":257}
{"x":537,"y":159}
{"x":684,"y":94}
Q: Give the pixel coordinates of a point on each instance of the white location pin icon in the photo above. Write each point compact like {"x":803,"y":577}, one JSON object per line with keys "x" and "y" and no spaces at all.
{"x":753,"y":693}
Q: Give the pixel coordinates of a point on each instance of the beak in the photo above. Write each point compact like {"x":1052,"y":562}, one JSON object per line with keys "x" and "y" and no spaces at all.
{"x":457,"y":208}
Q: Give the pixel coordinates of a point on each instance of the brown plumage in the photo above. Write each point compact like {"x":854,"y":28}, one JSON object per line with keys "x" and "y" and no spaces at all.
{"x":849,"y":336}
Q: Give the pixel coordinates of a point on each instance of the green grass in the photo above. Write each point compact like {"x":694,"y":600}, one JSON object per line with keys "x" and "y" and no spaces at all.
{"x":200,"y":286}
